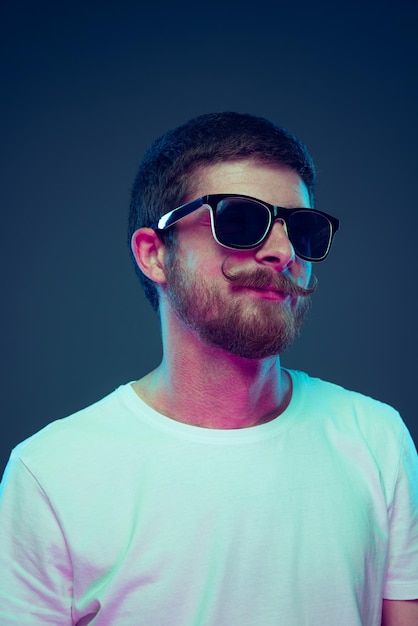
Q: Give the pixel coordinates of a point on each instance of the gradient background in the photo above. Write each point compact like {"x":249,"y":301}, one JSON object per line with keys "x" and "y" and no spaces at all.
{"x":88,"y":85}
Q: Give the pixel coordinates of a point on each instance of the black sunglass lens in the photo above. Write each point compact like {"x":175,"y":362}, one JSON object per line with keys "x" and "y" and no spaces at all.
{"x":310,"y":234}
{"x":240,"y":223}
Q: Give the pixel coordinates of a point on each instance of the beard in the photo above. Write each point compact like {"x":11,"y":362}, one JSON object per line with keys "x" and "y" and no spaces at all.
{"x":254,"y":330}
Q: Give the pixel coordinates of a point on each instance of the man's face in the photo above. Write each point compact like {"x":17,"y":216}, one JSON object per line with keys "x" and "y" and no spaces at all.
{"x":232,"y":299}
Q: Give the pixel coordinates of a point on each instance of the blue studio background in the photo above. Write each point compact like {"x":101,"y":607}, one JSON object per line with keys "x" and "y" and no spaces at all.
{"x":88,"y":85}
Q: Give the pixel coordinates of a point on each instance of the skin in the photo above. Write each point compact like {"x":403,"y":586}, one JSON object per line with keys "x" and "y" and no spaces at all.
{"x":207,"y":386}
{"x":400,"y":613}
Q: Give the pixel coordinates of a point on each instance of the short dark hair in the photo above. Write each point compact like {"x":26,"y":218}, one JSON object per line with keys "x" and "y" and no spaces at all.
{"x":165,"y":174}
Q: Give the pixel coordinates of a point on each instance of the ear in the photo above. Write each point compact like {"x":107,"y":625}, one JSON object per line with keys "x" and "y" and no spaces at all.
{"x":149,"y":252}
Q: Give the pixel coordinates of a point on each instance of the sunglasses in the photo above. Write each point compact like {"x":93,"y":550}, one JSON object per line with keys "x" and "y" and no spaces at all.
{"x":241,"y":223}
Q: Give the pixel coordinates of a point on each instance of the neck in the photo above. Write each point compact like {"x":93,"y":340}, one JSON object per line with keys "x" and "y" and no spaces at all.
{"x":208,"y":387}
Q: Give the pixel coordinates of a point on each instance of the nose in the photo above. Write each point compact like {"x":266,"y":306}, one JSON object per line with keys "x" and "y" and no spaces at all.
{"x":276,"y":250}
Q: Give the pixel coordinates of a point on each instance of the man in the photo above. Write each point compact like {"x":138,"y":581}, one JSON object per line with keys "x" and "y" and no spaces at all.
{"x":220,"y":489}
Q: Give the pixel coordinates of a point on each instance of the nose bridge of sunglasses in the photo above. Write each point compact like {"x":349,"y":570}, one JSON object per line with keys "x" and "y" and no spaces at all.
{"x":281,"y":221}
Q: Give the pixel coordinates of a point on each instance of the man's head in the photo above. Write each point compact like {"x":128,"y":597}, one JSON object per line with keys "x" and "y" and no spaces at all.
{"x":167,"y":174}
{"x":249,"y":303}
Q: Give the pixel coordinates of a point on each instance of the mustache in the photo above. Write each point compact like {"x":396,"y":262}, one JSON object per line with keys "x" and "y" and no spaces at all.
{"x":262,"y":278}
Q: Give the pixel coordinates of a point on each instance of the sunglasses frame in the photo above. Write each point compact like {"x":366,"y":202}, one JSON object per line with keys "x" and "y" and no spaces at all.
{"x":275,"y":212}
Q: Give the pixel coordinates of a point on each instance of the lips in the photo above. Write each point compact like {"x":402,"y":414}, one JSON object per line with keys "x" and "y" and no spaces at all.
{"x":271,"y":293}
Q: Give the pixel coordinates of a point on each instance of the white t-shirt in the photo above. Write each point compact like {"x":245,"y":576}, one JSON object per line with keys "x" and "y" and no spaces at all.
{"x":120,"y":516}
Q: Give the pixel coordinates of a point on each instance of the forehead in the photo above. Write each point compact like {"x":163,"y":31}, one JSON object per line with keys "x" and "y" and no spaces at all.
{"x":273,"y":183}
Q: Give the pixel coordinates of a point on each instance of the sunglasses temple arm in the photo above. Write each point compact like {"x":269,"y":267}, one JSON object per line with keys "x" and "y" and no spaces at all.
{"x":175,"y":215}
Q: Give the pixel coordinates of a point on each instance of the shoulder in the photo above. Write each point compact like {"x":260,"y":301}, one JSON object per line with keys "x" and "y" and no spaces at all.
{"x":330,"y":391}
{"x":336,"y":398}
{"x":78,"y":435}
{"x":370,"y":432}
{"x":351,"y":413}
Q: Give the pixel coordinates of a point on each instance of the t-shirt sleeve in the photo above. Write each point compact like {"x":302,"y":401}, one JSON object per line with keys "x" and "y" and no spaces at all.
{"x":402,"y":565}
{"x":36,"y":573}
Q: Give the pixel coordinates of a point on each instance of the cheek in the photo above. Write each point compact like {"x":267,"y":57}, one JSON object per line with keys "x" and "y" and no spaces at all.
{"x":202,"y":255}
{"x":302,"y":270}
